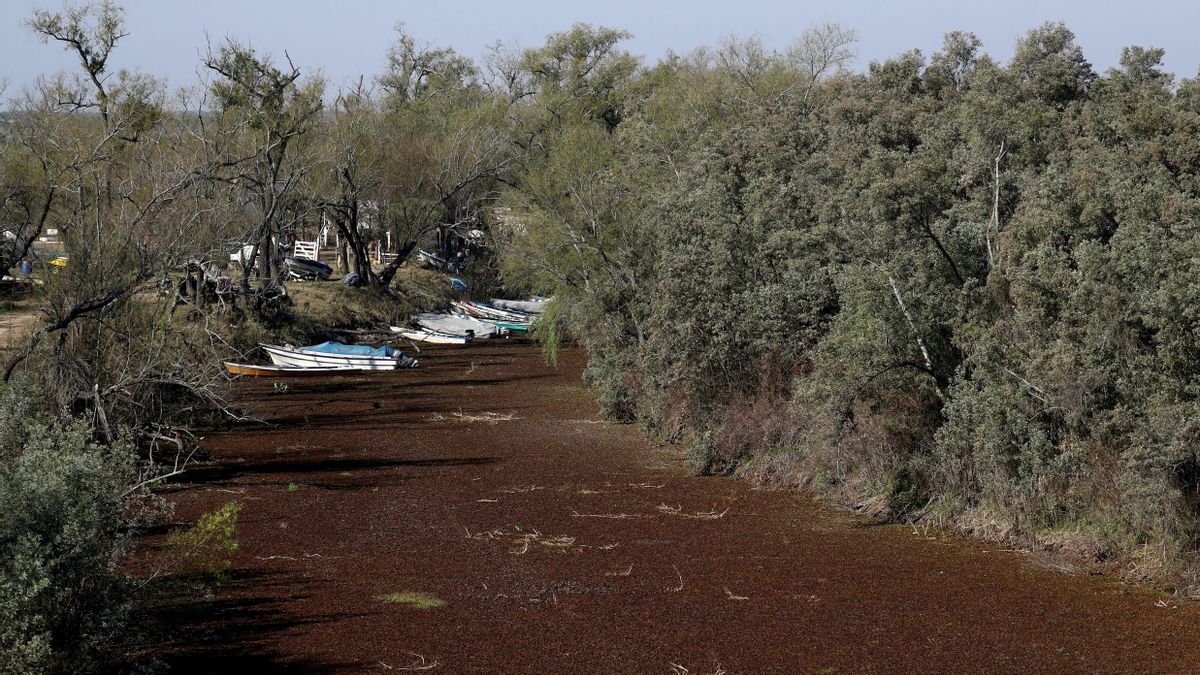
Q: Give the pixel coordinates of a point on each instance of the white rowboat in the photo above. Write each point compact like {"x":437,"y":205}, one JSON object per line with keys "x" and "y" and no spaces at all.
{"x":304,"y":357}
{"x":432,"y":337}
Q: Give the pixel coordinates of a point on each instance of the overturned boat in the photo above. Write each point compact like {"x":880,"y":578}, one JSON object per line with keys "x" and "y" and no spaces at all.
{"x":304,"y":268}
{"x":329,"y":354}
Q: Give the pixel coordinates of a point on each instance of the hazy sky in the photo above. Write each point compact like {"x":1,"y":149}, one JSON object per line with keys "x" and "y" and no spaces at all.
{"x":349,"y":37}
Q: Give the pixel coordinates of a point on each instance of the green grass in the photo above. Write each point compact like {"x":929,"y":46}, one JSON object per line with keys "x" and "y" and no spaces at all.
{"x":411,"y":599}
{"x":292,"y":487}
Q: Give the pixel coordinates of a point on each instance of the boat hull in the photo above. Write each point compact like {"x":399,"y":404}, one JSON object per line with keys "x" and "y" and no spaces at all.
{"x":254,"y":370}
{"x":304,"y":268}
{"x":514,"y":327}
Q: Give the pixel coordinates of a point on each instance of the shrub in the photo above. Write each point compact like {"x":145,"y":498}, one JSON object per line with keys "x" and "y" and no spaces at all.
{"x":205,"y":548}
{"x":63,"y":500}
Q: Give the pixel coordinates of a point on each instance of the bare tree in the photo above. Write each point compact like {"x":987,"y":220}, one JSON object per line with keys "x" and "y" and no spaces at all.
{"x":352,"y":173}
{"x":119,"y":179}
{"x":822,"y":49}
{"x":29,"y":177}
{"x":90,"y":32}
{"x":446,"y":146}
{"x":255,"y":145}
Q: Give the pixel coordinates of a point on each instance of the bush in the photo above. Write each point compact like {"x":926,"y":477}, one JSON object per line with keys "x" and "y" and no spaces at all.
{"x":63,"y":500}
{"x":205,"y":547}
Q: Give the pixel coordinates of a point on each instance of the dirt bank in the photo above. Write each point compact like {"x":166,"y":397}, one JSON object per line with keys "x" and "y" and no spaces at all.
{"x":560,"y":543}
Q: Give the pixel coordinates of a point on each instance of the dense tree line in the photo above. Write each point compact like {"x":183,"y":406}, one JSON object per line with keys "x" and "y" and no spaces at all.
{"x":944,"y":287}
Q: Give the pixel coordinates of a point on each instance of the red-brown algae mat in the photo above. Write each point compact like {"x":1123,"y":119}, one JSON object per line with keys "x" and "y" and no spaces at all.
{"x":476,"y":515}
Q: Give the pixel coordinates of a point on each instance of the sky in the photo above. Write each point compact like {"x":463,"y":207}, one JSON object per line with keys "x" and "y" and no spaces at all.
{"x":348,"y":38}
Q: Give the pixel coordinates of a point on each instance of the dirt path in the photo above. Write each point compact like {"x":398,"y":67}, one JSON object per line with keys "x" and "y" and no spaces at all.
{"x":14,"y":325}
{"x":563,"y":544}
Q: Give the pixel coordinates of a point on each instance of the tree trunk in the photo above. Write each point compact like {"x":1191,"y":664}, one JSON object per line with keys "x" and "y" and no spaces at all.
{"x":916,"y":335}
{"x":389,"y":272}
{"x":267,"y":272}
{"x":343,"y":261}
{"x":994,"y":225}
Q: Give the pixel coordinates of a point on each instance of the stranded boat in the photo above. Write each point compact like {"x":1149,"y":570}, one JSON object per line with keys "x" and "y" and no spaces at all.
{"x":329,"y":354}
{"x":532,"y":306}
{"x":505,"y":320}
{"x":432,"y":337}
{"x":447,"y":324}
{"x":303,"y":268}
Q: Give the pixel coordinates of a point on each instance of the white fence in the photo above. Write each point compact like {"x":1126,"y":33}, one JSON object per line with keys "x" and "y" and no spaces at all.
{"x":307,"y":249}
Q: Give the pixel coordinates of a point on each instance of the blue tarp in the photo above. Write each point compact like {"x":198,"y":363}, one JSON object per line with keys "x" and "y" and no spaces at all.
{"x":352,"y":350}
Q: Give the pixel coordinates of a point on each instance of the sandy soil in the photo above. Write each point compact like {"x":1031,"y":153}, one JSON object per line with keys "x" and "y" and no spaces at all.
{"x":561,"y":543}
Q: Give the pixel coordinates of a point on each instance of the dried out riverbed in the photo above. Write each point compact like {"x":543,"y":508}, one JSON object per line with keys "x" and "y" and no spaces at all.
{"x":561,"y":543}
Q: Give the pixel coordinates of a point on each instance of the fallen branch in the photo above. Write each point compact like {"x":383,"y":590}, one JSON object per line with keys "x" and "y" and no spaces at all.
{"x":699,"y":515}
{"x":611,"y":516}
{"x":680,"y":588}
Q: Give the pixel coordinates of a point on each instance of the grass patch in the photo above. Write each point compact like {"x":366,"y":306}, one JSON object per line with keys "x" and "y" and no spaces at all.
{"x":293,"y":487}
{"x":208,"y":546}
{"x":411,"y":599}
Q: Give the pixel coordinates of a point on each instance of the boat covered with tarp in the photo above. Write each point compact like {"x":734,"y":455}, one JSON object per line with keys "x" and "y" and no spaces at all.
{"x":531,"y":306}
{"x":325,"y":354}
{"x":463,"y":326}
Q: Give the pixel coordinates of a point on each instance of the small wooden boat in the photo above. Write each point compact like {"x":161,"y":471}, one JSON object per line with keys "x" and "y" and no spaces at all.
{"x":432,"y":337}
{"x":255,"y":370}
